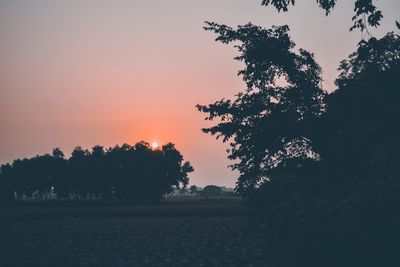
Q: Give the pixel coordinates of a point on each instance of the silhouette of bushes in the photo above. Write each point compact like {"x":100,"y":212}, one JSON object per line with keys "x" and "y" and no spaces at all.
{"x":124,"y":173}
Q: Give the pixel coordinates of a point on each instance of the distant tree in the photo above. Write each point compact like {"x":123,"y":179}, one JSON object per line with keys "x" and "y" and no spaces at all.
{"x":57,"y":153}
{"x":7,"y":183}
{"x":193,"y":190}
{"x":98,"y":174}
{"x":78,"y":176}
{"x":366,"y":13}
{"x":58,"y":169}
{"x":175,"y":167}
{"x":268,"y":124}
{"x":34,"y":174}
{"x":211,"y":191}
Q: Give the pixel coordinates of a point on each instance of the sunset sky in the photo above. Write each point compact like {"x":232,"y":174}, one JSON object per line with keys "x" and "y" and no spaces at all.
{"x":113,"y":72}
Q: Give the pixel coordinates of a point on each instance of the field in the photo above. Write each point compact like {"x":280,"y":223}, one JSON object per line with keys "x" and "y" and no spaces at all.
{"x":208,"y":233}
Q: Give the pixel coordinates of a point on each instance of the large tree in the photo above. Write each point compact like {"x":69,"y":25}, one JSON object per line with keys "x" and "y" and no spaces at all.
{"x":359,"y":130}
{"x":346,"y":214}
{"x":267,"y":125}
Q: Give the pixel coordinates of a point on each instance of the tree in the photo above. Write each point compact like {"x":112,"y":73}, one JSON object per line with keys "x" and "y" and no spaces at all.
{"x":211,"y":191}
{"x":7,"y":185}
{"x":98,"y":175}
{"x":359,"y":128}
{"x":58,"y":169}
{"x":77,"y":178}
{"x":193,"y":190}
{"x":268,"y":124}
{"x":57,"y":153}
{"x":352,"y":204}
{"x":366,"y":13}
{"x":176,"y":168}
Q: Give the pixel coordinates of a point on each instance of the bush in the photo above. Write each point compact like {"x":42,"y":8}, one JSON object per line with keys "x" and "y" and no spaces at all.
{"x":310,"y":221}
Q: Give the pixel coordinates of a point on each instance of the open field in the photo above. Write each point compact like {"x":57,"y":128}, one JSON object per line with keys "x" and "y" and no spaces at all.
{"x":41,"y":210}
{"x":184,"y":234}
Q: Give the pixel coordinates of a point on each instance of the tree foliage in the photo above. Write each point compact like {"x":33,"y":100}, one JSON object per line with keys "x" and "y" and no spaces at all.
{"x":212,"y":191}
{"x":366,"y":12}
{"x":126,"y":173}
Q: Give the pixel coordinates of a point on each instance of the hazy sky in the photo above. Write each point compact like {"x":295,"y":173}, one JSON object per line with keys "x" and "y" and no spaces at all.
{"x":112,"y":72}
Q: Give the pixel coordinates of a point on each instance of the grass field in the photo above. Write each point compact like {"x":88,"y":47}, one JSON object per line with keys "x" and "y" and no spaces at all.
{"x":206,"y":233}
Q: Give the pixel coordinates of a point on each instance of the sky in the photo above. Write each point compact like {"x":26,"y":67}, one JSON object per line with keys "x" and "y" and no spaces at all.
{"x":87,"y":72}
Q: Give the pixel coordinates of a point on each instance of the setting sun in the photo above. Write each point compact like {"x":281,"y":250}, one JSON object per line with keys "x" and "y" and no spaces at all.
{"x":154,"y":145}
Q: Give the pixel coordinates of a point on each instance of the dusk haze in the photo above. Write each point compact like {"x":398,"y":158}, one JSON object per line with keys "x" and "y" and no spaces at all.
{"x":204,"y":133}
{"x":113,"y":72}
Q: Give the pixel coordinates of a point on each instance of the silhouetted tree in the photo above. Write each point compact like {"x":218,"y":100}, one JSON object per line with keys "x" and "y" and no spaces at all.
{"x":359,"y":130}
{"x":267,"y":124}
{"x":348,"y":212}
{"x":7,"y":183}
{"x":211,"y":191}
{"x":57,"y":169}
{"x":78,"y":176}
{"x":98,"y":177}
{"x":193,"y":190}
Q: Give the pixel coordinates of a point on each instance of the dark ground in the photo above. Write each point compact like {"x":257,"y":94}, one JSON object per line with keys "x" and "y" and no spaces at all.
{"x":207,"y":233}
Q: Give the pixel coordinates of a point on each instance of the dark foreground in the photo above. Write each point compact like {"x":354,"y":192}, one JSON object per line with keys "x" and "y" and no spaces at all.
{"x":196,"y":234}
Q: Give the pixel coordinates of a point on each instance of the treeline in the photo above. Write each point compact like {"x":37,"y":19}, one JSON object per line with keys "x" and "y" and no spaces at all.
{"x":121,"y":173}
{"x":209,"y":191}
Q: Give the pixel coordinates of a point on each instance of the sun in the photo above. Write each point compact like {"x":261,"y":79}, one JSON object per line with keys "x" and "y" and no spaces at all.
{"x":154,"y":145}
